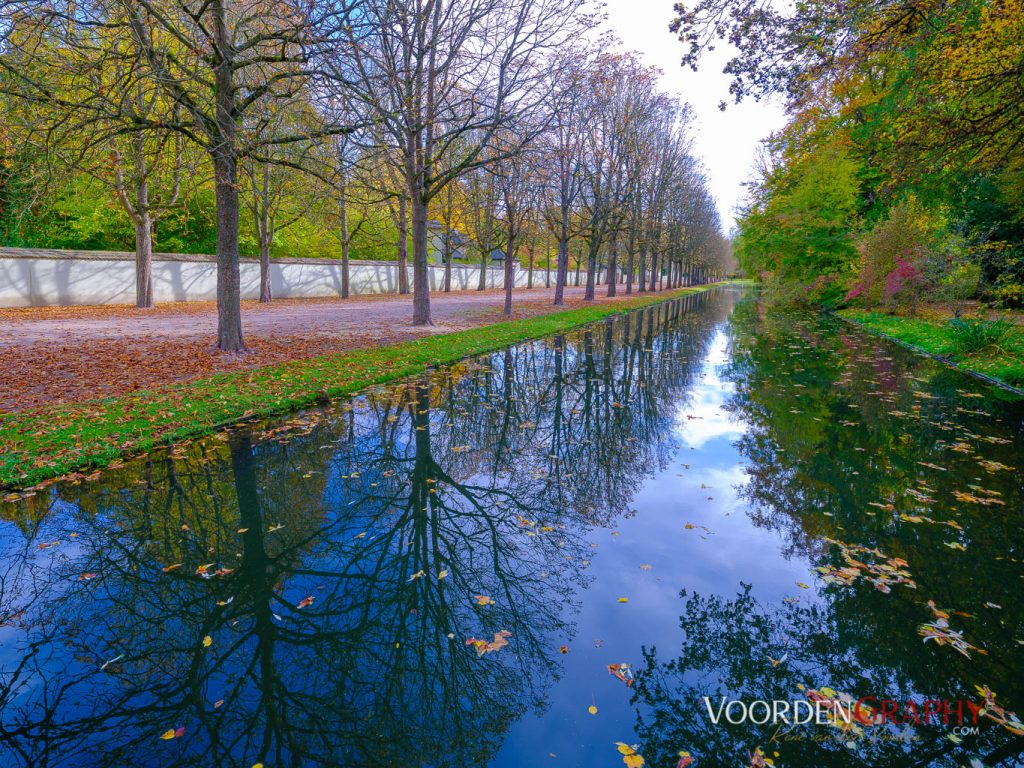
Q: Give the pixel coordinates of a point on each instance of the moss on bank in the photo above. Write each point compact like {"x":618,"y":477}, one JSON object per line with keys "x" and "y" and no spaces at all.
{"x":44,"y":443}
{"x":1005,"y":364}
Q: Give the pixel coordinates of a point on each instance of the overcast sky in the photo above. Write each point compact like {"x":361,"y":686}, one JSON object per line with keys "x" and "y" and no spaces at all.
{"x":726,"y":141}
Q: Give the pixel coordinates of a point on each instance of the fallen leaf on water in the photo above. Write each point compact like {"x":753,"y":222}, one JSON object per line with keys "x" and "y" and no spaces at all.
{"x":629,"y":755}
{"x":939,"y":631}
{"x":563,"y":649}
{"x":442,"y":574}
{"x":993,"y":466}
{"x":305,"y":602}
{"x":645,"y":567}
{"x":417,"y":575}
{"x":87,"y":576}
{"x":273,"y":528}
{"x":169,"y":568}
{"x":218,"y":703}
{"x":483,"y":600}
{"x":624,"y":672}
{"x":243,"y":530}
{"x":993,"y":711}
{"x":623,"y":599}
{"x":592,"y":709}
{"x":482,"y":646}
{"x":48,"y":545}
{"x":802,"y":585}
{"x":207,"y":641}
{"x":171,"y":733}
{"x":111,"y":661}
{"x":685,"y":759}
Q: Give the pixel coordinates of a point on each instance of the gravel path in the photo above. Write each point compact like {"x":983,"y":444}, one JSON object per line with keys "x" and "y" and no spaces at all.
{"x":64,"y":354}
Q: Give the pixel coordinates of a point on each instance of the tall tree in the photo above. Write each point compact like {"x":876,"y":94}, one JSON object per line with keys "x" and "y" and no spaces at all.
{"x":442,"y":78}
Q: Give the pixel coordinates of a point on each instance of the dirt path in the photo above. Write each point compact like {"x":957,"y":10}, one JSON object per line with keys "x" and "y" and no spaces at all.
{"x":64,"y":354}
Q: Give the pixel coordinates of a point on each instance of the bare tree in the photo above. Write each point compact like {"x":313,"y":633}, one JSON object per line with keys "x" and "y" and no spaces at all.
{"x":563,"y":146}
{"x":442,"y":78}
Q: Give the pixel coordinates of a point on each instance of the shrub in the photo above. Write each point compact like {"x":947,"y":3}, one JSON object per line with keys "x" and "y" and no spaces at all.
{"x":973,"y":334}
{"x":911,"y":255}
{"x":1009,"y":295}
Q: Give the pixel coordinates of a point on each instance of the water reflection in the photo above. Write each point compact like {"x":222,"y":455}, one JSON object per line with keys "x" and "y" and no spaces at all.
{"x":302,"y":593}
{"x":856,"y":454}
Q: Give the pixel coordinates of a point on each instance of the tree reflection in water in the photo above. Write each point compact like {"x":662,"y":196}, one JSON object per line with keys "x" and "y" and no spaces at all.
{"x":392,"y":512}
{"x":847,"y":440}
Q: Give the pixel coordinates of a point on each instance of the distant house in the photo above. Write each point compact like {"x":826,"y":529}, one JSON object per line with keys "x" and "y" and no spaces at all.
{"x":436,"y":243}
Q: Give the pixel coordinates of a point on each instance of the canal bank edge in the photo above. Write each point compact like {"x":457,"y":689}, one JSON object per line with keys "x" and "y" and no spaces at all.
{"x":865,"y":321}
{"x":49,"y":443}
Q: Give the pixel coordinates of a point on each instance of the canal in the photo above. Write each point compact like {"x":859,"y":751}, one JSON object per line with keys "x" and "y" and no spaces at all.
{"x":573,"y":552}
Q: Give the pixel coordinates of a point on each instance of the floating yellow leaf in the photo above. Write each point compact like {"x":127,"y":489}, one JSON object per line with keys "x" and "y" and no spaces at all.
{"x":629,"y":755}
{"x":207,"y":641}
{"x":592,"y":709}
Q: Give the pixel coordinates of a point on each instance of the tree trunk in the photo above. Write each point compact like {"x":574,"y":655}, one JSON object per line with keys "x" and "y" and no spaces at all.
{"x":264,"y":270}
{"x":641,"y":272}
{"x":225,"y":171}
{"x":343,"y":210}
{"x":654,"y":272}
{"x":613,"y":266}
{"x":547,"y":269}
{"x":482,"y":284}
{"x":403,"y":246}
{"x":229,"y":307}
{"x":510,"y":274}
{"x":448,"y":252}
{"x":143,"y":256}
{"x":420,"y":275}
{"x":529,"y":273}
{"x":563,"y":262}
{"x":588,"y":294}
{"x":265,"y":233}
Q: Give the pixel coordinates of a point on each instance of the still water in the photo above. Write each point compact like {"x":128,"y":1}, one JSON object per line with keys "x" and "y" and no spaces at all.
{"x":723,"y":501}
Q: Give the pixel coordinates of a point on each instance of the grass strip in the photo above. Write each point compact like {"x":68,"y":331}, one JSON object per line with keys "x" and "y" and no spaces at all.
{"x":1003,"y":366}
{"x":44,"y":443}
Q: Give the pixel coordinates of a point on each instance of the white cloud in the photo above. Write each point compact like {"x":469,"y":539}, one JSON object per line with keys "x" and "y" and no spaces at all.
{"x":704,"y":419}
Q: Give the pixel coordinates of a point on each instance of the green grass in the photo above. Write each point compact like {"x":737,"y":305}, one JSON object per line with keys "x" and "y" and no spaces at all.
{"x":44,"y":443}
{"x":1005,"y":362}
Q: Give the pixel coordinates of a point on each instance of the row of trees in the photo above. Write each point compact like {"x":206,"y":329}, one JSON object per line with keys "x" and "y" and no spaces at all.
{"x":356,"y":118}
{"x":900,"y":173}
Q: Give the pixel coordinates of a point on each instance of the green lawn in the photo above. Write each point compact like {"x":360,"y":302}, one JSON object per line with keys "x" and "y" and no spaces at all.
{"x":44,"y":443}
{"x":1005,"y":363}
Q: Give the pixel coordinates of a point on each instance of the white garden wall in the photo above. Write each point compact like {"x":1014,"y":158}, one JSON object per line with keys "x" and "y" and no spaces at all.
{"x":39,"y":277}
